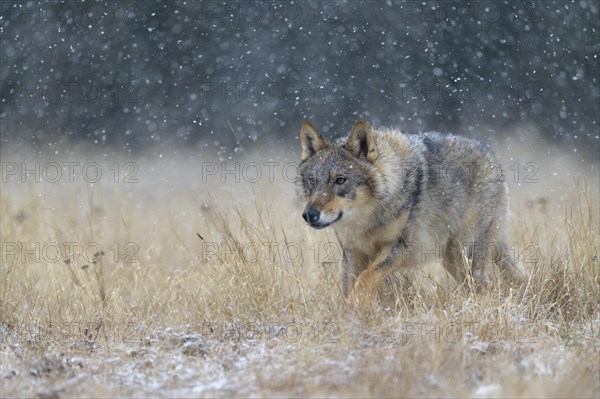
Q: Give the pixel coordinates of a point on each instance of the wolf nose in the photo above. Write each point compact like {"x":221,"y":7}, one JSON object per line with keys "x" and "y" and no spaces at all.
{"x":311,"y":215}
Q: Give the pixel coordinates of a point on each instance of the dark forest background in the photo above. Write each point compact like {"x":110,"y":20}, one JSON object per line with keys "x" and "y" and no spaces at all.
{"x":133,"y":74}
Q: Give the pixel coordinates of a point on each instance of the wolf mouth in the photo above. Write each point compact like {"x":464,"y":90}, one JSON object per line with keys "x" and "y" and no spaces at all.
{"x":322,"y":226}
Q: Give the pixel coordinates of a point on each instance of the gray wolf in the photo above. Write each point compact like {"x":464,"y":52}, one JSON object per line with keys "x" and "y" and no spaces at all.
{"x":398,"y":200}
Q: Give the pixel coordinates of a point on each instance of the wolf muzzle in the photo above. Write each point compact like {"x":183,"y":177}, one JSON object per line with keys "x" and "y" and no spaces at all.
{"x":313,"y":217}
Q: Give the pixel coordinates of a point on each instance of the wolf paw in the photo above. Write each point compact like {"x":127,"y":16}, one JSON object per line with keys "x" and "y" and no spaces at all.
{"x":359,"y":300}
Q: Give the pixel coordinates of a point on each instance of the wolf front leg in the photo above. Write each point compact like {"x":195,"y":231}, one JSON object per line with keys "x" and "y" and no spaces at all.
{"x":347,"y":277}
{"x":353,"y":264}
{"x":390,"y":259}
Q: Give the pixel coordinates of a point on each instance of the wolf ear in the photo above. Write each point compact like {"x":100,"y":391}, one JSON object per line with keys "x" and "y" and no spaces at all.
{"x":311,"y":140}
{"x":362,"y":142}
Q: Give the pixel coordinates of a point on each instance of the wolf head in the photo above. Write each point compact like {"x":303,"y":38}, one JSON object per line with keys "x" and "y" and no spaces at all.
{"x":336,"y":180}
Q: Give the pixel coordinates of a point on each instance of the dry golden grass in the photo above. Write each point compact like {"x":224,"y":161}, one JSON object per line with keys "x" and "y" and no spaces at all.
{"x":211,"y":289}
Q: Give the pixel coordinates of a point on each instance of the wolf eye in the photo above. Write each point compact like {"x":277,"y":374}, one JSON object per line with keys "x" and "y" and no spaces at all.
{"x":311,"y":180}
{"x":340,"y":180}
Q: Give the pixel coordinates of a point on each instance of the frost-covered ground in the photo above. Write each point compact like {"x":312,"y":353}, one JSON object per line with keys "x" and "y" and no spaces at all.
{"x":161,"y":287}
{"x":355,"y":363}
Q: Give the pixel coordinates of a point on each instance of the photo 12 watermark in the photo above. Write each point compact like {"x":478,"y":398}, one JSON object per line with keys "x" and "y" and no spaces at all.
{"x":249,"y":172}
{"x":271,"y":11}
{"x":323,"y":332}
{"x":255,"y":252}
{"x":273,"y":171}
{"x":68,"y":252}
{"x":82,"y":334}
{"x":68,"y":92}
{"x":484,"y":12}
{"x":456,"y":91}
{"x":69,"y":172}
{"x":68,"y":11}
{"x":320,"y":252}
{"x":263,"y":92}
{"x":466,"y":331}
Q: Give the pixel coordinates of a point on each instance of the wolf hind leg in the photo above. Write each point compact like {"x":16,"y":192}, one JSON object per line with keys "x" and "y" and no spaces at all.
{"x":497,"y":250}
{"x":508,"y":266}
{"x":452,"y":260}
{"x":464,"y":262}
